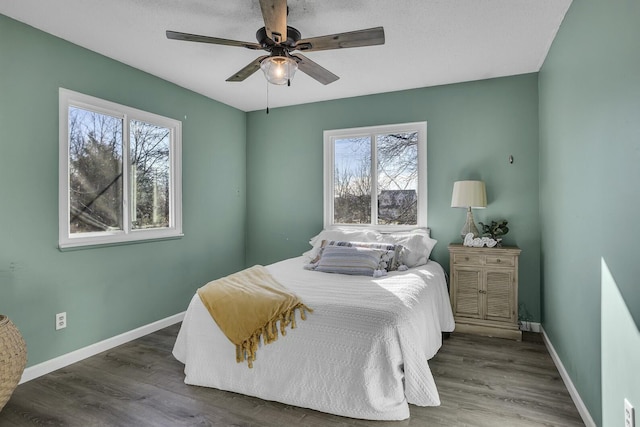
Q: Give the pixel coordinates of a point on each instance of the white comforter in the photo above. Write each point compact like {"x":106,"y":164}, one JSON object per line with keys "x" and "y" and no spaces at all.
{"x":362,"y":353}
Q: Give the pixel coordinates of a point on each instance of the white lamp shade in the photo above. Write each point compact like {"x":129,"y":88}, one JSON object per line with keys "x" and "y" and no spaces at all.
{"x":469,"y":194}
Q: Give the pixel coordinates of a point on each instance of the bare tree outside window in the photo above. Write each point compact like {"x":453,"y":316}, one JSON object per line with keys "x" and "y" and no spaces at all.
{"x":149,"y":160}
{"x":95,"y":171}
{"x":396,"y":177}
{"x":397,"y":162}
{"x":352,"y":181}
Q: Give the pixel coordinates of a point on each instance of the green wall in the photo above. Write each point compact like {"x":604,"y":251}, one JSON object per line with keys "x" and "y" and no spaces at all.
{"x":589,"y":89}
{"x":110,"y":290}
{"x":472,"y":128}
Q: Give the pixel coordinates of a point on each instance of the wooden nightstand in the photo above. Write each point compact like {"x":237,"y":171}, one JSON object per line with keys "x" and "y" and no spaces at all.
{"x":484,"y":290}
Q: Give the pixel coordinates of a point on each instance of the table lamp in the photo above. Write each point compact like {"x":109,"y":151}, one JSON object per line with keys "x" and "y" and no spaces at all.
{"x":469,"y":194}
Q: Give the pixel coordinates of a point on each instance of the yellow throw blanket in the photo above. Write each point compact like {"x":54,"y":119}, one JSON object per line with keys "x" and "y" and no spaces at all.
{"x":247,"y":306}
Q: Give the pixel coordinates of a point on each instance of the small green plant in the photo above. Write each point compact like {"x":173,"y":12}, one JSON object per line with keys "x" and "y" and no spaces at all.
{"x":495,"y":230}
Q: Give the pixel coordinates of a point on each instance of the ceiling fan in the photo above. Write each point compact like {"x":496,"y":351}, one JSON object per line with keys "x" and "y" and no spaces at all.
{"x":277,"y":38}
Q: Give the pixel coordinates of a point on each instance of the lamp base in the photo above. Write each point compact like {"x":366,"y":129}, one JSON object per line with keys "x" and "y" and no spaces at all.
{"x":469,"y":226}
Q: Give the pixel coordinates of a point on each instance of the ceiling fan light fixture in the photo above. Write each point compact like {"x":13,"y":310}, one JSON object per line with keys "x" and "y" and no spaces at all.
{"x":279,"y":70}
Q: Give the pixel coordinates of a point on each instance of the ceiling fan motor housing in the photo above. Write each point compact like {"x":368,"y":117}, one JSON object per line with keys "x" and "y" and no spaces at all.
{"x":293,"y":36}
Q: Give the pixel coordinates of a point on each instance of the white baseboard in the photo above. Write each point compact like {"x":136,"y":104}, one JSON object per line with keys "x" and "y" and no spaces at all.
{"x":573,"y":392}
{"x":51,"y":365}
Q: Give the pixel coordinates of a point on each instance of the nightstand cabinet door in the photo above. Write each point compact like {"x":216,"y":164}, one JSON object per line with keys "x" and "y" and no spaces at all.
{"x":484,"y":290}
{"x":467,"y":301}
{"x":500,"y":285}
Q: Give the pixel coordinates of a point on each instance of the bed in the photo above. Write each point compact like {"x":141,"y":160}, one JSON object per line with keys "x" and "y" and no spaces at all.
{"x":362,"y":353}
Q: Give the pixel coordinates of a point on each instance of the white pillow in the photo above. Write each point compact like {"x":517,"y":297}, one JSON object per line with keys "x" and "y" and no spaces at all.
{"x":417,"y":245}
{"x":347,"y":234}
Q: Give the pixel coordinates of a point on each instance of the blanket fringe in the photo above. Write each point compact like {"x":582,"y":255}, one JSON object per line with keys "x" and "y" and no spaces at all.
{"x":269,"y":333}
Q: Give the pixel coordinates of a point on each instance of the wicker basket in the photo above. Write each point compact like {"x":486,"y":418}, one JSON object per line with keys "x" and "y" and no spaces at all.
{"x":13,"y":358}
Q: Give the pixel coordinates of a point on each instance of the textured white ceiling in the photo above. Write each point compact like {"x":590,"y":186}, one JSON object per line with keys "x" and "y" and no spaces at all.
{"x":428,"y":42}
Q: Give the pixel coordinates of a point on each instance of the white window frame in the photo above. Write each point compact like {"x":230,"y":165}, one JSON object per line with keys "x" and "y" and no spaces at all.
{"x":330,"y":136}
{"x":68,"y":98}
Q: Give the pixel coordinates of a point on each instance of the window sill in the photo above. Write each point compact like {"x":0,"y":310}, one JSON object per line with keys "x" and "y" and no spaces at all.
{"x":75,"y":246}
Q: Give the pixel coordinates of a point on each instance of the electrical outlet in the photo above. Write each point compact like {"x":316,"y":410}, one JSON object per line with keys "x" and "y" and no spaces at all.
{"x":61,"y":321}
{"x":629,"y":414}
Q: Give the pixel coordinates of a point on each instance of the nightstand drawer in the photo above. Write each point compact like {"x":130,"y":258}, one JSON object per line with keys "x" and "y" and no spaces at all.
{"x":499,"y":260}
{"x":467,"y":259}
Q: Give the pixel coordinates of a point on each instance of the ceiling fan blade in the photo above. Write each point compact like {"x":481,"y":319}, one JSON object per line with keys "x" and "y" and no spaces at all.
{"x":314,"y":70}
{"x":274,"y":13}
{"x":368,"y":37}
{"x":174,"y":35}
{"x":251,"y":68}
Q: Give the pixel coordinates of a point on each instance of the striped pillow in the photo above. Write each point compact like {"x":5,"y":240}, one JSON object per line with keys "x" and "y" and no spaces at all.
{"x":391,"y":260}
{"x":350,"y":260}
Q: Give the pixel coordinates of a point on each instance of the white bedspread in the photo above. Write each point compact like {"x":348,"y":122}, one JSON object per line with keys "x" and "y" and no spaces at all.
{"x":362,"y":353}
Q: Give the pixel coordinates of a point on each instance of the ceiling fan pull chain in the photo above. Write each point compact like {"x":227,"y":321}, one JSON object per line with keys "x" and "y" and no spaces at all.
{"x":267,"y":97}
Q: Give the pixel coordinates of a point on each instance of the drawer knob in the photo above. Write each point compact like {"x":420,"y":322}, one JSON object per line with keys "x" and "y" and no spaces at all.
{"x":498,"y":261}
{"x":466,"y":258}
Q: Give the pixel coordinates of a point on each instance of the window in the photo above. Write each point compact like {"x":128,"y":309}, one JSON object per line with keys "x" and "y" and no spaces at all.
{"x":376,"y":176}
{"x":120,"y":173}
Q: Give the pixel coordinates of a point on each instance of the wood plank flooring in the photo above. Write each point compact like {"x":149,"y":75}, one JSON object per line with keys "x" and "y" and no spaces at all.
{"x":482,"y":382}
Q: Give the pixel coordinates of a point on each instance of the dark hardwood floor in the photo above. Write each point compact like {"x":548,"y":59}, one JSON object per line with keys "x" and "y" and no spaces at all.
{"x":482,"y":382}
